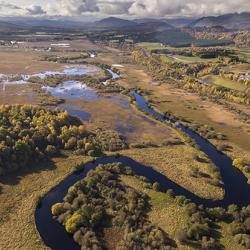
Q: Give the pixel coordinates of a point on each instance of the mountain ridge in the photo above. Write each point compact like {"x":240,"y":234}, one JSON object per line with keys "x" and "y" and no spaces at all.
{"x":228,"y":21}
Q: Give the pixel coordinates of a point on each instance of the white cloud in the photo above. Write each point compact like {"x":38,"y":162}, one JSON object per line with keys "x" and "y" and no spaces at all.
{"x":35,"y":10}
{"x":7,"y":7}
{"x":114,"y":7}
{"x":135,"y":8}
{"x":161,"y":8}
{"x":72,"y":7}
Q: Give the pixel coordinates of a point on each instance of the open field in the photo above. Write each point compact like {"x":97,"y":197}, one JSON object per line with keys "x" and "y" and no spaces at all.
{"x":187,"y":59}
{"x":244,"y":53}
{"x":17,"y":94}
{"x":151,"y":46}
{"x":108,"y":114}
{"x":177,"y":163}
{"x":227,"y":83}
{"x":12,"y":59}
{"x":12,"y":62}
{"x":239,"y":68}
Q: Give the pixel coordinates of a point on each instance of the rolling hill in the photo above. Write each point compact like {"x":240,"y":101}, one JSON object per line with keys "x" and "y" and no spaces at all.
{"x":113,"y":22}
{"x":8,"y":27}
{"x":228,"y":21}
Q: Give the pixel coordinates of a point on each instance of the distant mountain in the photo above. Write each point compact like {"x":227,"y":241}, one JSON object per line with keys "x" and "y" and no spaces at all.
{"x":34,"y":24}
{"x":8,"y":27}
{"x":228,"y":21}
{"x":151,"y":26}
{"x":180,"y":22}
{"x":113,"y":22}
{"x":43,"y":22}
{"x":149,"y":20}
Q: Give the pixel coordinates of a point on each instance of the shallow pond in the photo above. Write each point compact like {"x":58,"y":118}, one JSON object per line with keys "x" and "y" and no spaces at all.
{"x":81,"y":114}
{"x":73,"y":90}
{"x":69,"y":70}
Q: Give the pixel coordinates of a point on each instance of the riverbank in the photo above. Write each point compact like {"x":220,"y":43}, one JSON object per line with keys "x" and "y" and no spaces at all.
{"x":18,"y":200}
{"x":19,"y":195}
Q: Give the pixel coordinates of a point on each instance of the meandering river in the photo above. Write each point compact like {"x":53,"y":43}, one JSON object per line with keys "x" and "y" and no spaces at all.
{"x":237,"y":191}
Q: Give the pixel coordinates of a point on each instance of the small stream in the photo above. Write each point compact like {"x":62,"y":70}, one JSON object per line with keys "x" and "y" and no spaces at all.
{"x":237,"y":191}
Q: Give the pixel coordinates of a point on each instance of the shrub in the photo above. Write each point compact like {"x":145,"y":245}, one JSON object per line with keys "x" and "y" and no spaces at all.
{"x":247,"y":169}
{"x":237,"y":228}
{"x":57,"y":209}
{"x":78,"y":237}
{"x":182,"y":200}
{"x":182,"y":236}
{"x":247,"y":224}
{"x":243,"y":239}
{"x":217,"y":213}
{"x":74,"y":223}
{"x":156,"y":186}
{"x":170,"y":193}
{"x":191,"y":209}
{"x":197,"y":231}
{"x":79,"y":166}
{"x":88,"y":146}
{"x":239,"y":163}
{"x":208,"y":243}
{"x":91,"y":153}
{"x":51,"y":150}
{"x":71,"y":144}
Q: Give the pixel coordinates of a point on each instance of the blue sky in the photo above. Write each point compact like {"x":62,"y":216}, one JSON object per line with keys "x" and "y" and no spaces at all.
{"x":132,"y":8}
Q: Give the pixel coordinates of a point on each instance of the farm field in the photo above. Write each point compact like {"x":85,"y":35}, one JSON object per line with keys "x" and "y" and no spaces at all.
{"x":188,"y":59}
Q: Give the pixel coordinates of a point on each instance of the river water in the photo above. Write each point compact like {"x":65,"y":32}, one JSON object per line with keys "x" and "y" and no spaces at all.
{"x":237,"y":191}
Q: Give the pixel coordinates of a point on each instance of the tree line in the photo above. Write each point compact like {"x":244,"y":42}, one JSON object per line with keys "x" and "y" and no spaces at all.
{"x":31,"y":134}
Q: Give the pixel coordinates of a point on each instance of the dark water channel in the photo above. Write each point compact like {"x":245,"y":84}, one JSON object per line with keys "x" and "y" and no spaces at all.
{"x":237,"y":191}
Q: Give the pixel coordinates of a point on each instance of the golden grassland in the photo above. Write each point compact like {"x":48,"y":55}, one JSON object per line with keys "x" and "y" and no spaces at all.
{"x":239,"y":68}
{"x":227,"y":83}
{"x":187,"y":59}
{"x":165,"y":212}
{"x":109,"y":114}
{"x":176,"y":162}
{"x":17,"y":94}
{"x":26,"y":94}
{"x":227,"y":239}
{"x":190,"y":106}
{"x":21,"y":61}
{"x":18,"y":198}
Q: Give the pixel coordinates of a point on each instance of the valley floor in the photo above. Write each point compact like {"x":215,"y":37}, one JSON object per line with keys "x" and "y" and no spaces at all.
{"x":20,"y":193}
